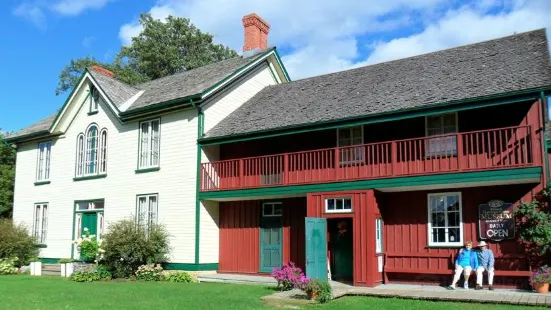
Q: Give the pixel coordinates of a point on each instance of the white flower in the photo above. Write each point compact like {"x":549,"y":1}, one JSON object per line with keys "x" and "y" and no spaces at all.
{"x":85,"y":228}
{"x":122,"y":259}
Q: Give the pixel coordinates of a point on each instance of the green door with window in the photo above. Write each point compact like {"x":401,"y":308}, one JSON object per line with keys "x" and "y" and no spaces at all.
{"x":90,"y":221}
{"x":316,"y":248}
{"x":270,"y":243}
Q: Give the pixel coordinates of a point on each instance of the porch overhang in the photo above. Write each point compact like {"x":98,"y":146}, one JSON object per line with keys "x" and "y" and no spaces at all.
{"x":530,"y":175}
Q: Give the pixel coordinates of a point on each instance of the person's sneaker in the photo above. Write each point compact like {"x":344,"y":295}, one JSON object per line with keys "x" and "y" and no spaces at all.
{"x":451,"y":287}
{"x":478,"y":287}
{"x":466,"y":285}
{"x":491,"y":288}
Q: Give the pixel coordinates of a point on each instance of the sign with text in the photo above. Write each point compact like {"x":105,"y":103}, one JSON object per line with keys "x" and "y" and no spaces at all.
{"x":496,"y":221}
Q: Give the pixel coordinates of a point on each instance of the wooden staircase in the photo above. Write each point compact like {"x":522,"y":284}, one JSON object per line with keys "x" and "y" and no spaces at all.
{"x":51,"y":270}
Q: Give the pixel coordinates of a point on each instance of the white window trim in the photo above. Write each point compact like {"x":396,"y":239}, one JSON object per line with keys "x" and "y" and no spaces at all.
{"x":338,"y":211}
{"x":379,"y":224}
{"x":273,"y":204}
{"x":429,"y":222}
{"x":40,"y":227}
{"x":102,"y":151}
{"x":350,"y":162}
{"x":149,"y":141}
{"x":94,"y":100}
{"x":148,"y":212}
{"x":43,"y":165}
{"x":91,"y":206}
{"x":82,"y":152}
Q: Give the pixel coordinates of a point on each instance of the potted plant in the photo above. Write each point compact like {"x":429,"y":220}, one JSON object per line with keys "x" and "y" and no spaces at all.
{"x":66,"y":267}
{"x":318,"y":290}
{"x":540,"y":279}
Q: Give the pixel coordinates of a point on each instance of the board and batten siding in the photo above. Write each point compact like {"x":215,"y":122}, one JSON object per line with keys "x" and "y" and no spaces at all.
{"x":174,"y":182}
{"x":218,"y":108}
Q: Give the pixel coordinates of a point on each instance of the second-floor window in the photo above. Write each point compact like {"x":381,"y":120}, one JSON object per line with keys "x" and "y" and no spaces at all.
{"x":148,"y":153}
{"x":347,"y":139}
{"x":94,"y":100}
{"x":40,"y":223}
{"x":91,"y":152}
{"x":44,"y":158}
{"x":441,"y":125}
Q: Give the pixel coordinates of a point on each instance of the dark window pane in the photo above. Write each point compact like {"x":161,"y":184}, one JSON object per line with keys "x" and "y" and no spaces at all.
{"x":277,"y":209}
{"x":453,"y":219}
{"x":339,"y":204}
{"x":348,"y":204}
{"x":453,"y":234}
{"x":440,"y":219}
{"x":441,"y":235}
{"x":330,"y":204}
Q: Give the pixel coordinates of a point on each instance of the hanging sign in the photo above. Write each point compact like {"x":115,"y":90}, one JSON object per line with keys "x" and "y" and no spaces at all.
{"x":496,"y":221}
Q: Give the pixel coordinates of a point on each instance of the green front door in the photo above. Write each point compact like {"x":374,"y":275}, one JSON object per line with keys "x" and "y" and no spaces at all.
{"x":316,"y":248}
{"x":270,"y":243}
{"x":90,"y":221}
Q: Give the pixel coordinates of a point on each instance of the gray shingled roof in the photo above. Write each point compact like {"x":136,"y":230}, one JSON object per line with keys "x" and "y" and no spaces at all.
{"x":117,"y":91}
{"x":512,"y":63}
{"x":187,"y":83}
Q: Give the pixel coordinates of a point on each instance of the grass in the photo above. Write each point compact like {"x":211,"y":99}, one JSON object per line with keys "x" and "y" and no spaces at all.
{"x":26,"y":292}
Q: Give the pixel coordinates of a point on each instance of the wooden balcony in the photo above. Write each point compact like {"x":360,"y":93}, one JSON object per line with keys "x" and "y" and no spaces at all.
{"x":502,"y":148}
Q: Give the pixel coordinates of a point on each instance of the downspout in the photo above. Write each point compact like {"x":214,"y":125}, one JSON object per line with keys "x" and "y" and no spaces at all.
{"x":200,"y":131}
{"x":545,"y":154}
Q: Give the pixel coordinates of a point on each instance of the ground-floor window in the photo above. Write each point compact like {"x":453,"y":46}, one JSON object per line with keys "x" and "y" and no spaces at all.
{"x":40,"y":222}
{"x":146,"y":213}
{"x":337,"y":205}
{"x":445,"y":224}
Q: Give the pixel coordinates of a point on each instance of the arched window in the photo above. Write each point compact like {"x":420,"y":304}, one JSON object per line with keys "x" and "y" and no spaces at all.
{"x":80,"y":155}
{"x":91,"y":161}
{"x":103,"y":151}
{"x":91,"y":154}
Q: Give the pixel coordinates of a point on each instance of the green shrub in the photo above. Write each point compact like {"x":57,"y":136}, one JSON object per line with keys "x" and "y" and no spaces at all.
{"x":7,"y":266}
{"x":126,"y":246}
{"x":15,"y":241}
{"x":322,"y":290}
{"x":179,"y":276}
{"x":88,"y":246}
{"x":91,"y":273}
{"x":149,"y":273}
{"x":65,"y":261}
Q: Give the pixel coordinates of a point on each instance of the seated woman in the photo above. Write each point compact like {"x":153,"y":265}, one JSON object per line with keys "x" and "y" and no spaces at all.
{"x":466,"y":262}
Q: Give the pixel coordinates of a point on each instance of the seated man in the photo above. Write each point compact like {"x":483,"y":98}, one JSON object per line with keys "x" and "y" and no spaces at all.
{"x":485,"y":262}
{"x":466,"y":262}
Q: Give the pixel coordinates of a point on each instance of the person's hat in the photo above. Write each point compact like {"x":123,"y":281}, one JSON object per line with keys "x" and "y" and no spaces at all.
{"x":482,"y":243}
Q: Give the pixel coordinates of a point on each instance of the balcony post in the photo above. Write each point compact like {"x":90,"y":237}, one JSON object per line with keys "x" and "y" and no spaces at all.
{"x":459,"y":149}
{"x":394,"y":154}
{"x":241,"y":173}
{"x":337,"y":163}
{"x":285,"y":168}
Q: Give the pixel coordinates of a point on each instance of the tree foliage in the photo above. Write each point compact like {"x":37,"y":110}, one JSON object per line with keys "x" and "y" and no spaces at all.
{"x":7,"y":177}
{"x":161,"y":49}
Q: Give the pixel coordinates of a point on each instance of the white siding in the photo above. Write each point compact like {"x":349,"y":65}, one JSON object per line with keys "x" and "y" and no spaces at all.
{"x":209,"y":235}
{"x":175,"y":182}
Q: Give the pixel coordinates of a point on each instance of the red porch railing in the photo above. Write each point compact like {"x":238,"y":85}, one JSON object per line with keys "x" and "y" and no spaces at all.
{"x":509,"y":147}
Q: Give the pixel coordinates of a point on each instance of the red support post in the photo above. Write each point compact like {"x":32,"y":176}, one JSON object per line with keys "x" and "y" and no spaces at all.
{"x":241,"y":174}
{"x":459,"y":151}
{"x":337,"y":163}
{"x":394,"y":153}
{"x":285,"y":168}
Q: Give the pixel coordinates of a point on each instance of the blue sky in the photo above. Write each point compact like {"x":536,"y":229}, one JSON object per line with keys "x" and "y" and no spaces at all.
{"x":314,"y":37}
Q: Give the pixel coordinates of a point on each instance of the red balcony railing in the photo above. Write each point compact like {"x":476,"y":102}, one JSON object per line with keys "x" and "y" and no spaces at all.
{"x":467,"y":151}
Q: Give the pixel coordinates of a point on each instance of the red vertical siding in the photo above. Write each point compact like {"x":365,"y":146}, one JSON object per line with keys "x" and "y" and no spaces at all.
{"x":406,"y":236}
{"x":240,"y":234}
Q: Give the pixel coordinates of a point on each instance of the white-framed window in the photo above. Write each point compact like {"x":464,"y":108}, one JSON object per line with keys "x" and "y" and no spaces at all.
{"x":379,"y":235}
{"x":90,"y":205}
{"x":147,"y":208}
{"x":338,"y":205}
{"x":91,"y":152}
{"x":270,"y":209}
{"x":44,"y":159}
{"x":40,"y":222}
{"x":100,"y":226}
{"x":346,"y":139}
{"x":148,"y":153}
{"x":445,"y":222}
{"x":94,"y":99}
{"x":443,"y":124}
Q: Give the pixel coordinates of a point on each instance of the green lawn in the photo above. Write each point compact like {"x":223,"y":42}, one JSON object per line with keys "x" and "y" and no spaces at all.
{"x":26,"y":292}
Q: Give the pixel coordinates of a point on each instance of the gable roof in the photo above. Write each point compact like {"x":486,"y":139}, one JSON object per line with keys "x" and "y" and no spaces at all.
{"x":513,"y":63}
{"x":181,"y":85}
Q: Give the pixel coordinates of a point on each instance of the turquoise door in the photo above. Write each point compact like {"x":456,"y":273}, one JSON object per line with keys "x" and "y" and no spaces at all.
{"x":316,"y":248}
{"x":271,"y":254}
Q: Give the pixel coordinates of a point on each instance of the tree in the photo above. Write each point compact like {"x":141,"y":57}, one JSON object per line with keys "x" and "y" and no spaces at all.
{"x":7,"y":177}
{"x":161,"y":49}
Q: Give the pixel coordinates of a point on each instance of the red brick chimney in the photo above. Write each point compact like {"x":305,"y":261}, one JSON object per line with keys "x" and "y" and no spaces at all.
{"x":256,"y":32}
{"x":102,"y":70}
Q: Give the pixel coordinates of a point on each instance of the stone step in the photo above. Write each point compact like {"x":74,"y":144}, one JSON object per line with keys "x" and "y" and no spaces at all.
{"x":51,"y":273}
{"x":51,"y":267}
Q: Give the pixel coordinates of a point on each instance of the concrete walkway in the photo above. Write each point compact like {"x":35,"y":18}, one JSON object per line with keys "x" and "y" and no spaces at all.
{"x":499,"y":296}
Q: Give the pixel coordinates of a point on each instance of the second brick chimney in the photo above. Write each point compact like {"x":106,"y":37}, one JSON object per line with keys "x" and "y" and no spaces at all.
{"x":256,"y":32}
{"x":102,"y":70}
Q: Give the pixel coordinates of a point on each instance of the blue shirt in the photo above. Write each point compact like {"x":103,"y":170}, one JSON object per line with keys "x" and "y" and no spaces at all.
{"x":486,"y":258}
{"x":467,"y":258}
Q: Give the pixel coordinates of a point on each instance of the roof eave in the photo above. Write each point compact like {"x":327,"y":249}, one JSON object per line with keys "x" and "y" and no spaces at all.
{"x":529,"y":93}
{"x":165,"y":106}
{"x":29,"y":137}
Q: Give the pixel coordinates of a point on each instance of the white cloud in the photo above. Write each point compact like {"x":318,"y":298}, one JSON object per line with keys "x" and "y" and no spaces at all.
{"x":326,"y":36}
{"x":75,"y":7}
{"x":31,"y":12}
